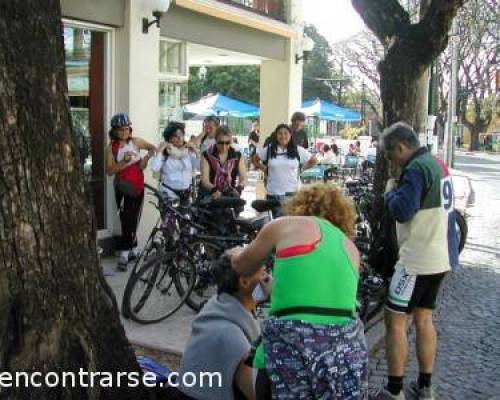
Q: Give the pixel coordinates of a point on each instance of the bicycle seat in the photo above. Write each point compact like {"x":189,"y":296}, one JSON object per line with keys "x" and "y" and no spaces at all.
{"x":222,"y":202}
{"x":265,"y":205}
{"x":252,"y":224}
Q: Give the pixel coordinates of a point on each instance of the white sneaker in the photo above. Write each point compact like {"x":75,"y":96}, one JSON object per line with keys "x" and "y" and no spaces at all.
{"x":122,"y":264}
{"x":425,"y":393}
{"x":384,"y":394}
{"x":134,"y":253}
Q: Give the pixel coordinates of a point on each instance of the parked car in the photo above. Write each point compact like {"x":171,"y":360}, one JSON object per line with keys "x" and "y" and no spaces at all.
{"x":464,"y":198}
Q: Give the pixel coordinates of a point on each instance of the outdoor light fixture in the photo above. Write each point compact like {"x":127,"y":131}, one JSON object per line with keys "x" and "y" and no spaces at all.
{"x":146,"y":24}
{"x":160,"y":8}
{"x":307,"y":45}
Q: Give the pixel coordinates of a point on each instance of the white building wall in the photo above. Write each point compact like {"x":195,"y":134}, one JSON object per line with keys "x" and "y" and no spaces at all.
{"x":136,"y":85}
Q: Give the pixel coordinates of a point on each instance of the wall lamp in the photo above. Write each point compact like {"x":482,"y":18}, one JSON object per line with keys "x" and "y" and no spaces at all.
{"x":160,"y":7}
{"x":146,"y":24}
{"x":306,"y":46}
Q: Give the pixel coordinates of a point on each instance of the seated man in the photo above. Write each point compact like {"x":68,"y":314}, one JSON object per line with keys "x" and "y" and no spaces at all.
{"x":221,"y":340}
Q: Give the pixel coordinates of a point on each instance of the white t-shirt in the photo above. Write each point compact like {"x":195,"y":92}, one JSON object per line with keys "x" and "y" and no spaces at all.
{"x":130,"y":147}
{"x":176,"y":173}
{"x":283,"y":172}
{"x":206,"y":144}
{"x":330,"y":158}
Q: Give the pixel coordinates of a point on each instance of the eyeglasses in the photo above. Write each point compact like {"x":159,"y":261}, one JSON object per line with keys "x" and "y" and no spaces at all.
{"x":224,"y":143}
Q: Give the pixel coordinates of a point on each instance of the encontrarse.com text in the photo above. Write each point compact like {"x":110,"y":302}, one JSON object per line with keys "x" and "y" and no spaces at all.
{"x":106,"y":379}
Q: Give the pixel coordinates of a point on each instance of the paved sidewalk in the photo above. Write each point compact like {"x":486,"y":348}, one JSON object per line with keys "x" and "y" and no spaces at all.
{"x":172,"y":334}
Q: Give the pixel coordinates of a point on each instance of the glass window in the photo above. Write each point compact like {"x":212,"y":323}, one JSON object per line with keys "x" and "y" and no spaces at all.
{"x":85,"y":54}
{"x":171,"y":98}
{"x":172,"y":60}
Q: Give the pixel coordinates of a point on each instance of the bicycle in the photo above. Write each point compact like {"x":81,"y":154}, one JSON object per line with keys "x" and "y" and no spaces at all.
{"x":156,"y":267}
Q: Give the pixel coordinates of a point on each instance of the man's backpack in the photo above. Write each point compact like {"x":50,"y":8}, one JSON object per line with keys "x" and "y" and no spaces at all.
{"x":384,"y":251}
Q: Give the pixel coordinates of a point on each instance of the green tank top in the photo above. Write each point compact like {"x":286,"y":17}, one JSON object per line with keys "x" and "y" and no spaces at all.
{"x":323,"y":278}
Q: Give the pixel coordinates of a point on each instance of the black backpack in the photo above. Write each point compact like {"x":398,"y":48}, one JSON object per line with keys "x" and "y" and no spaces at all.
{"x":384,"y":251}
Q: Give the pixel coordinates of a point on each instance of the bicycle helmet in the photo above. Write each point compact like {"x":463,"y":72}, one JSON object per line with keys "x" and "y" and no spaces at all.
{"x":120,"y":120}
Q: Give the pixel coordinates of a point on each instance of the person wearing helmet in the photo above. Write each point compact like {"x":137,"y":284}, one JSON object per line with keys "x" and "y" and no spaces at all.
{"x":123,"y":161}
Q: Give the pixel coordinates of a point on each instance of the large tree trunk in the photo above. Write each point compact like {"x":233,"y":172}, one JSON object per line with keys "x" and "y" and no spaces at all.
{"x":56,"y":311}
{"x":411,"y":48}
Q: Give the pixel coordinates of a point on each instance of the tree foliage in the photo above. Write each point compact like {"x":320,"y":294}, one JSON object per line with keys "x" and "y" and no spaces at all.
{"x":479,"y":32}
{"x":239,"y":82}
{"x":411,"y":46}
{"x":318,"y":67}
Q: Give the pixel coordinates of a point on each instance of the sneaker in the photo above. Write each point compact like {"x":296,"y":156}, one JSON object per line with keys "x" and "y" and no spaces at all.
{"x":384,"y":394}
{"x":122,"y":264}
{"x":134,"y":254}
{"x":425,"y":393}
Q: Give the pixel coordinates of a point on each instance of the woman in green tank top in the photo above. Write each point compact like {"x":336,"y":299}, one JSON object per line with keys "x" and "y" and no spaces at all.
{"x":313,"y":345}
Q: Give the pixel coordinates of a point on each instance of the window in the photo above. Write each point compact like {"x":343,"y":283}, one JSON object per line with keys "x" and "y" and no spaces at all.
{"x":86,"y":73}
{"x":172,"y":58}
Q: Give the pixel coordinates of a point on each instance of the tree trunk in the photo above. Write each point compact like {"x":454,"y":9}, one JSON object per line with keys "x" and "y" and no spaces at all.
{"x":403,"y":89}
{"x":474,"y":140}
{"x":57,"y":313}
{"x":411,"y":48}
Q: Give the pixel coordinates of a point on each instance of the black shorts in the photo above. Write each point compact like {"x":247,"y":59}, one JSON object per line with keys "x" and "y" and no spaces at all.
{"x":408,"y":292}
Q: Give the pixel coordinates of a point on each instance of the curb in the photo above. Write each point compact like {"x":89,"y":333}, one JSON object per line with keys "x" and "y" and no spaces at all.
{"x":154,"y":347}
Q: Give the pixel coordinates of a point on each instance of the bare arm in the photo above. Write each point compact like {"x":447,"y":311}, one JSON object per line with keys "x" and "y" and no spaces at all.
{"x":113,"y":167}
{"x":311,"y":163}
{"x":144,"y":145}
{"x":205,"y":174}
{"x":353,"y":253}
{"x":257,"y":163}
{"x":249,"y":260}
{"x":244,"y":380}
{"x":242,"y":168}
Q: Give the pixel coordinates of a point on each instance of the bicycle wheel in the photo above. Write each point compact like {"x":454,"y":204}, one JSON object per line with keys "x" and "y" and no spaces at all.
{"x":462,"y":230}
{"x":154,"y":245}
{"x":151,"y":295}
{"x":202,"y":256}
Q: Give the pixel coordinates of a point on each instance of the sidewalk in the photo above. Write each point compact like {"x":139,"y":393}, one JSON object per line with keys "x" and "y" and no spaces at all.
{"x":172,"y":334}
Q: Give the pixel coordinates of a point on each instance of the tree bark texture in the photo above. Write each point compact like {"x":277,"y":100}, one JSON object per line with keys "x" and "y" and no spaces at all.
{"x":57,"y":312}
{"x":411,"y":48}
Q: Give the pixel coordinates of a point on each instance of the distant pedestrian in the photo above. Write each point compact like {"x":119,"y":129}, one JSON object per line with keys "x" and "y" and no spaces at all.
{"x":299,"y":132}
{"x":254,"y":138}
{"x":422,"y":203}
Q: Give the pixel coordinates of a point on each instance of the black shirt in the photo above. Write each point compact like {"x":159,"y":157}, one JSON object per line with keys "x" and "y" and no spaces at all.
{"x":254,"y":136}
{"x":300,"y":138}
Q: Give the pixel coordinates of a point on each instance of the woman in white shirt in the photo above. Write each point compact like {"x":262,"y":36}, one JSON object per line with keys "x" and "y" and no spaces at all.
{"x":176,"y":162}
{"x":282,"y":160}
{"x":331,"y":155}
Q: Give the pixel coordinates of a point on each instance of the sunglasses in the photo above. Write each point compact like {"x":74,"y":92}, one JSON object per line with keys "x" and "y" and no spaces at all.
{"x":224,"y":143}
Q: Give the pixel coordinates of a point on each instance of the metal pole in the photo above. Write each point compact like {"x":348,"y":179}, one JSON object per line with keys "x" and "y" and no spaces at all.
{"x":452,"y":98}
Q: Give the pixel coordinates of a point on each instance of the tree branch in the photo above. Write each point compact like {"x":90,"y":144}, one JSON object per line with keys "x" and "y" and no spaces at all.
{"x":385,"y":18}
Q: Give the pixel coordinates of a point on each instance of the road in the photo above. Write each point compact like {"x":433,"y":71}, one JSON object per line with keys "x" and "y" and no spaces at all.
{"x":468,"y":315}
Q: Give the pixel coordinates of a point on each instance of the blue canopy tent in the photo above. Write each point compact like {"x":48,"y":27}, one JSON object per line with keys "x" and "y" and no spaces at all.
{"x":222,"y":106}
{"x":329,"y":111}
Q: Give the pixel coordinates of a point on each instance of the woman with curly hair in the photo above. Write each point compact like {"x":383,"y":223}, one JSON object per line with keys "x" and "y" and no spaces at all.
{"x":313,"y":344}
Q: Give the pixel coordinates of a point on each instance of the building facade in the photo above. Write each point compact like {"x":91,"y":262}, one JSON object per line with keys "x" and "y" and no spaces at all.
{"x":113,"y":65}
